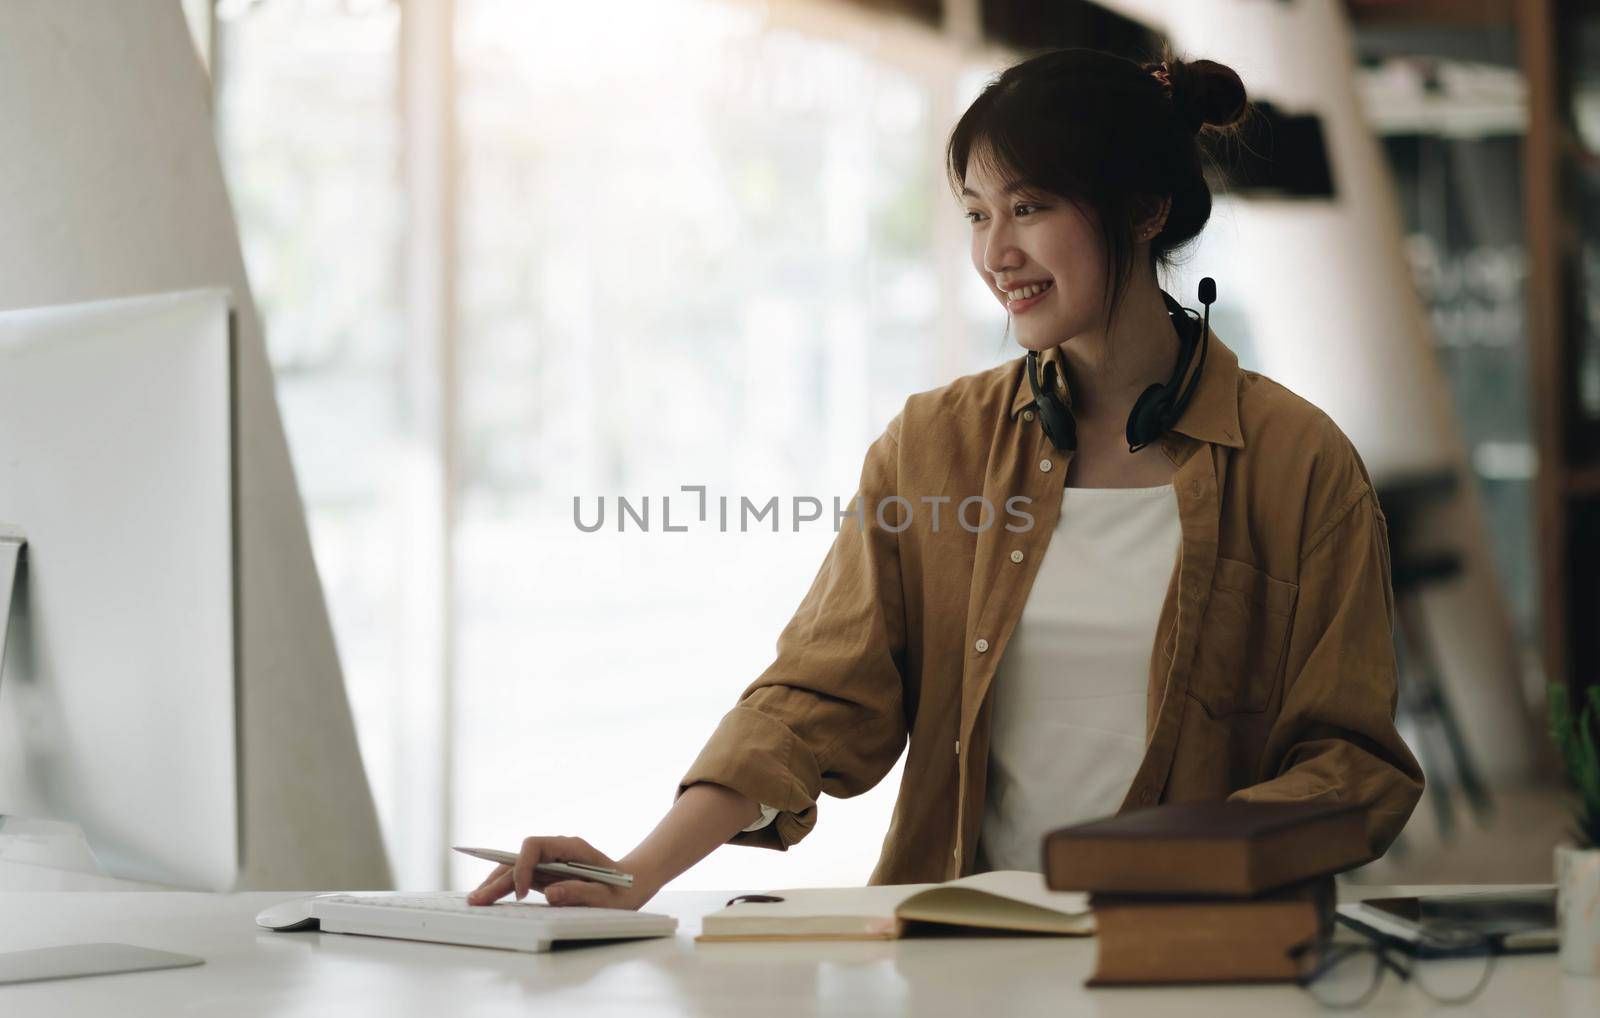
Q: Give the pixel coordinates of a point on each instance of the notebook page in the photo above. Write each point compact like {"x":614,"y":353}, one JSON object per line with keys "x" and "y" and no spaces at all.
{"x":813,"y":911}
{"x":1002,"y":899}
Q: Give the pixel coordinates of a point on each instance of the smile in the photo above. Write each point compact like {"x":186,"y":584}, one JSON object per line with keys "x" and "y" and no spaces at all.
{"x":1036,"y":294}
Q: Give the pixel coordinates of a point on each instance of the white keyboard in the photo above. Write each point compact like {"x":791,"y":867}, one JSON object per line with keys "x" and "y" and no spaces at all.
{"x":446,"y":918}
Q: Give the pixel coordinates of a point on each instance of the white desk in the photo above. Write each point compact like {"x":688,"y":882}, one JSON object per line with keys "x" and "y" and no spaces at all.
{"x":254,"y":972}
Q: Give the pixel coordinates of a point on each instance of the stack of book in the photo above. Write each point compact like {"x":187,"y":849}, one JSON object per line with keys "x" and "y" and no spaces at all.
{"x":1206,"y":892}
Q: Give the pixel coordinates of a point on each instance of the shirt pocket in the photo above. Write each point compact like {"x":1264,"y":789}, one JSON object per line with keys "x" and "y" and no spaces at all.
{"x":1242,"y":639}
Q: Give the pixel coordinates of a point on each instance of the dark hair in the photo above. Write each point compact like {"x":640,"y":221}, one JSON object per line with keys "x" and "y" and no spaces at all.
{"x":1102,"y":131}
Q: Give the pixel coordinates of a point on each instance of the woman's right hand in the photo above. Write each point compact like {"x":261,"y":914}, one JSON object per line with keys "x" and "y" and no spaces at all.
{"x":560,"y":890}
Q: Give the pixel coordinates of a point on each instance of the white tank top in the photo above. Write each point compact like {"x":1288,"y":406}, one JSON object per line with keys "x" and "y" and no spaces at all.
{"x":1069,"y":694}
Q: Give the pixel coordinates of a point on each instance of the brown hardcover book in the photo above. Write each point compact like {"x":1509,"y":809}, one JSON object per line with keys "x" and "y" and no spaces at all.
{"x":1216,"y":848}
{"x":1145,"y":939}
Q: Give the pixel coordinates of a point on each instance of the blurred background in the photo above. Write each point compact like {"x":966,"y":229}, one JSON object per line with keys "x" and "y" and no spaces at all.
{"x":512,"y":253}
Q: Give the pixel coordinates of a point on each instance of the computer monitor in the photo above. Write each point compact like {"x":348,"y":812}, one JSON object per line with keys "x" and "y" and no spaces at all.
{"x":118,"y":690}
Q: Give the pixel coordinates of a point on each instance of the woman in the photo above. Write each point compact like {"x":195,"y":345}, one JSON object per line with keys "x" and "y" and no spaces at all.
{"x":1157,"y":609}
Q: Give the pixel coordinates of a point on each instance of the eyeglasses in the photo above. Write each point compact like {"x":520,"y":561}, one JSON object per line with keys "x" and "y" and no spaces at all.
{"x":1451,"y":964}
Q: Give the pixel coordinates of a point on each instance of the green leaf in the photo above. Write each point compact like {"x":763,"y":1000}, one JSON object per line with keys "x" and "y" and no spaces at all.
{"x":1577,"y":735}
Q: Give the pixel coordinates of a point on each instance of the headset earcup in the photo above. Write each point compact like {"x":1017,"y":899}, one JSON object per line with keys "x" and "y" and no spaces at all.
{"x":1059,"y":424}
{"x":1056,"y":420}
{"x":1145,"y":422}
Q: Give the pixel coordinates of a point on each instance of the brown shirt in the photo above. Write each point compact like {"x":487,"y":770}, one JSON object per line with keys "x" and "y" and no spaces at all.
{"x":1272,"y":675}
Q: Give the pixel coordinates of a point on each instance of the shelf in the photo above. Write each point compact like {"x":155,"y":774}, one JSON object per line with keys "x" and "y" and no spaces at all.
{"x":1582,"y":482}
{"x":1482,"y":14}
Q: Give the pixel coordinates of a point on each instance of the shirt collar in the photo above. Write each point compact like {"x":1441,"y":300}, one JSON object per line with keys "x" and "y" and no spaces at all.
{"x":1213,"y":411}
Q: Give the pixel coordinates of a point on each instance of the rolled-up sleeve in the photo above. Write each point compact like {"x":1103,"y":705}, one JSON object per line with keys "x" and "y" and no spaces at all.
{"x":1335,"y":736}
{"x":827,"y":715}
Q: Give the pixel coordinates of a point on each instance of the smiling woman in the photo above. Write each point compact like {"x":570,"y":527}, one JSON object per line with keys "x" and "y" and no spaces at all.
{"x":1029,"y":672}
{"x":1038,"y":675}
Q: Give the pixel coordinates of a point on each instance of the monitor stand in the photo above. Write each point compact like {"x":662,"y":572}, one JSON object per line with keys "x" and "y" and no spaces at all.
{"x":35,"y":855}
{"x":52,"y":855}
{"x":48,"y":855}
{"x":12,"y":542}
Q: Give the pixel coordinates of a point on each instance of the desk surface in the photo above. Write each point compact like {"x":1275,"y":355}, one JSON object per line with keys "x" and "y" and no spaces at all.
{"x":249,"y":971}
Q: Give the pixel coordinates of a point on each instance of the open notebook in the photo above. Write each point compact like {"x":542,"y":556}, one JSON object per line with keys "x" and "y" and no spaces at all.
{"x":1001,"y":900}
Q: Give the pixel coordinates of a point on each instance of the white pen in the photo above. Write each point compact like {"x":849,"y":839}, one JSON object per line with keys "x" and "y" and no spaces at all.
{"x":583,"y":871}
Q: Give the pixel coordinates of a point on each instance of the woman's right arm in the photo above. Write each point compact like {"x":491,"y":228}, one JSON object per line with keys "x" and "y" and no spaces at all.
{"x":826,"y":716}
{"x":704,"y":816}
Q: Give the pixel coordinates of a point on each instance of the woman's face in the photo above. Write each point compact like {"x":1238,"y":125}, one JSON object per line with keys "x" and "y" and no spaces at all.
{"x":1025,"y":238}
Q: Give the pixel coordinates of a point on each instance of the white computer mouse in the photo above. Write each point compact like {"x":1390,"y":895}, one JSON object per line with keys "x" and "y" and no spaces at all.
{"x":287,"y":916}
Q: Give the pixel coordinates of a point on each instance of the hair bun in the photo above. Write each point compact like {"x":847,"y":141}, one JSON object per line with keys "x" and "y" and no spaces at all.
{"x":1206,"y":93}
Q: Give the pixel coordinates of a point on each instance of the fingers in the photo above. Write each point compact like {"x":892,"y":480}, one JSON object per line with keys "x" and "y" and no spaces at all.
{"x":496,"y":887}
{"x":500,"y":884}
{"x":520,"y":876}
{"x":522,"y":872}
{"x":487,"y":891}
{"x":578,"y":892}
{"x":494,"y":875}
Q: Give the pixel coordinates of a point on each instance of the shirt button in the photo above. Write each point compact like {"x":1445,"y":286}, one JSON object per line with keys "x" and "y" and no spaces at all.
{"x":1027,"y":415}
{"x":982,"y":645}
{"x":1044,"y":465}
{"x":958,"y":747}
{"x":1016,"y":556}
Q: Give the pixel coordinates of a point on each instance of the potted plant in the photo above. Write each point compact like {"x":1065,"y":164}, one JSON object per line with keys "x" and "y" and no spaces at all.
{"x":1577,"y":735}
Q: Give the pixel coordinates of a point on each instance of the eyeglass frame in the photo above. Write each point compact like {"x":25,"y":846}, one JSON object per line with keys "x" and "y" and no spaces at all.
{"x":1384,"y":945}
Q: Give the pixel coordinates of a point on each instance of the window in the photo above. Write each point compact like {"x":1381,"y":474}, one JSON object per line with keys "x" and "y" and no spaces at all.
{"x":309,"y":131}
{"x":702,"y":262}
{"x":697,"y":244}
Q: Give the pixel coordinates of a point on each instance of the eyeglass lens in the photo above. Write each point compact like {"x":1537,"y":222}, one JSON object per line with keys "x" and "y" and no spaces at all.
{"x":1451,"y":966}
{"x":1343,"y":975}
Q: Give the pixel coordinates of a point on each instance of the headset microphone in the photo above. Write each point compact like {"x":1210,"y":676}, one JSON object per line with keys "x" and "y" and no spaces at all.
{"x":1159,"y":407}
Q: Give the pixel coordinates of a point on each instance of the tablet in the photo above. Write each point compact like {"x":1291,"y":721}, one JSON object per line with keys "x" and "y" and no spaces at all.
{"x":1514,"y":921}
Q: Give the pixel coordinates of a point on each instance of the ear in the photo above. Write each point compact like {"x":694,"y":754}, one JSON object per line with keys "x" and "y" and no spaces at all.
{"x":1147,"y":227}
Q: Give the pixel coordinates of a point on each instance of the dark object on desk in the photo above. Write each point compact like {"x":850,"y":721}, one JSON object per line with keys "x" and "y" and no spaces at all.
{"x":751,"y":897}
{"x":1146,"y":939}
{"x":1207,"y":848}
{"x":1515,"y":922}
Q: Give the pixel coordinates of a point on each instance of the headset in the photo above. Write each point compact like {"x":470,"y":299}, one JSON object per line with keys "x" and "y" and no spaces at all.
{"x":1159,"y":407}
